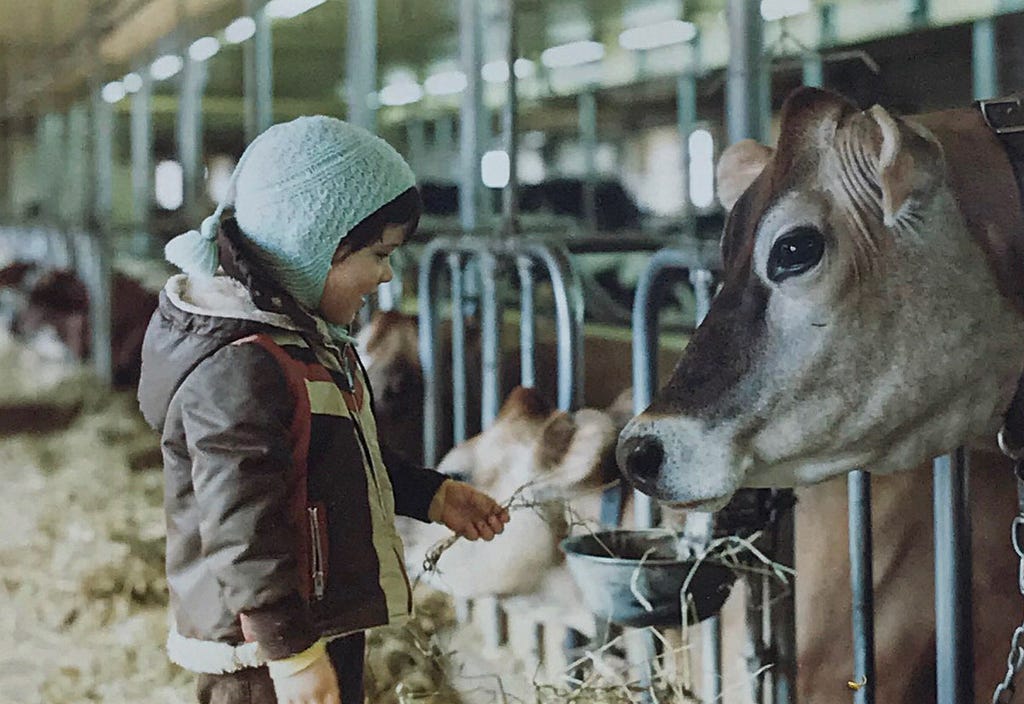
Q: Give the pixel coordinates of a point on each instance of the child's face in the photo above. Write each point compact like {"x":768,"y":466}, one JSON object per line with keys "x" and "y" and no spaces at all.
{"x":353,"y":276}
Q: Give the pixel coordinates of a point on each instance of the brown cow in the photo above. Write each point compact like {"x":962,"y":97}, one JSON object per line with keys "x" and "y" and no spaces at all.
{"x":872,"y":315}
{"x":562,"y":459}
{"x":54,"y":304}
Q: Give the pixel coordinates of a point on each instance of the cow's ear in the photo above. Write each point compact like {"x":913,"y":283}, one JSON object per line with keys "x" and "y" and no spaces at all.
{"x":593,"y":441}
{"x":908,"y":162}
{"x":555,"y":438}
{"x":460,"y":462}
{"x":738,"y":166}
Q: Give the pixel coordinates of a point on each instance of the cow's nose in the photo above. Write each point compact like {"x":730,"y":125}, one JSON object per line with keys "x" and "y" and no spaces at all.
{"x":643,"y":456}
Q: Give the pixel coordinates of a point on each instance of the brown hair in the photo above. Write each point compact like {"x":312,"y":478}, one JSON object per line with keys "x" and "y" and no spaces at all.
{"x":403,"y":210}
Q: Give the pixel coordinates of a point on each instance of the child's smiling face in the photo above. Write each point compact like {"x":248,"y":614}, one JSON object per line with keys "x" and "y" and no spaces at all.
{"x":355,"y":275}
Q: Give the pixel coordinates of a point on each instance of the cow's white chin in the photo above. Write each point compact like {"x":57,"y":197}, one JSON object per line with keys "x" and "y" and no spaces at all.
{"x":700,"y":505}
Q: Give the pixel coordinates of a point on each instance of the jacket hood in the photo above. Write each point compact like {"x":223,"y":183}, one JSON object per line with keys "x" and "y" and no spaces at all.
{"x":195,"y":318}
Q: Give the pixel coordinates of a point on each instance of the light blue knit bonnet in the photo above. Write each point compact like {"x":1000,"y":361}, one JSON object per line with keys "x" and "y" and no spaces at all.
{"x":298,"y":190}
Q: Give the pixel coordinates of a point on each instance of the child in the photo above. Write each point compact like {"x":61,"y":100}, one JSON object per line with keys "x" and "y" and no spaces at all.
{"x":281,"y":545}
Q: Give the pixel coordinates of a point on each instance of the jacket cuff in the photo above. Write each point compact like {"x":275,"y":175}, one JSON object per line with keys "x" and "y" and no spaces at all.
{"x":286,"y":667}
{"x":282,"y":629}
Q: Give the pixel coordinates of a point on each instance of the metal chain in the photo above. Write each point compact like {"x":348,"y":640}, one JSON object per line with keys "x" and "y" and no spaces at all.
{"x":1015,"y":660}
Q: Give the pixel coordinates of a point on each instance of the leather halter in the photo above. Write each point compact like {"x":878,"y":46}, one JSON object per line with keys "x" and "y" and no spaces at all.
{"x":1005,"y":117}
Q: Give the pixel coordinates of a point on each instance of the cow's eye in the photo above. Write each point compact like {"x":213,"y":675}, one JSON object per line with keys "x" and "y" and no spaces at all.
{"x":794,"y":253}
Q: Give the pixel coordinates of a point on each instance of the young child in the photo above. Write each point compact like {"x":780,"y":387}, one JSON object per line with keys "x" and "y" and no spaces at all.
{"x":280,"y":502}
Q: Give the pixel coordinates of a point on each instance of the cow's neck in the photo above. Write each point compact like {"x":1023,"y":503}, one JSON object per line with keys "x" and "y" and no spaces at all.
{"x":990,"y":200}
{"x":988,"y":194}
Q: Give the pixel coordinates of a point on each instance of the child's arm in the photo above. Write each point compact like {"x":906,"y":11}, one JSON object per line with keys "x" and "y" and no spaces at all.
{"x":414,"y":486}
{"x":236,"y":411}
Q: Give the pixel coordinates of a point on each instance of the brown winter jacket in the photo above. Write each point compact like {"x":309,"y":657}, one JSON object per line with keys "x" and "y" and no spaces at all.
{"x":280,"y":503}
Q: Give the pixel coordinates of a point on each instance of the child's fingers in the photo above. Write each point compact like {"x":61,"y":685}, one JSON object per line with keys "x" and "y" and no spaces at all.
{"x":470,"y":532}
{"x":496,"y":524}
{"x":484,"y":530}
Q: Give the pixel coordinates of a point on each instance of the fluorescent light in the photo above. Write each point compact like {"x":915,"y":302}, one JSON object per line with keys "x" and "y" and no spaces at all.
{"x":494,"y":169}
{"x":240,"y":30}
{"x":113,"y":92}
{"x":652,"y":36}
{"x":400,"y":93}
{"x":204,"y":48}
{"x":286,"y":9}
{"x":572,"y":54}
{"x":445,"y":83}
{"x":132,"y":83}
{"x":778,"y":9}
{"x":497,"y":71}
{"x":166,"y":66}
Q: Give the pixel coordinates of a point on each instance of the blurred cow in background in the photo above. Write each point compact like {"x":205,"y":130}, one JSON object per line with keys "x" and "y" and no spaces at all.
{"x":50,"y":309}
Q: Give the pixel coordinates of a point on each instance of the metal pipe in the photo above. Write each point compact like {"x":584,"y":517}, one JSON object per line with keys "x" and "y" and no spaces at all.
{"x":510,"y":125}
{"x":587,"y":107}
{"x":984,"y":59}
{"x":361,"y":63}
{"x":527,"y":340}
{"x":490,"y":339}
{"x":862,"y":586}
{"x":954,"y":647}
{"x":686,"y":119}
{"x":429,"y":328}
{"x":743,"y":89}
{"x":471,"y":115}
{"x":190,"y":134}
{"x":568,"y":295}
{"x":142,"y":161}
{"x":458,"y":349}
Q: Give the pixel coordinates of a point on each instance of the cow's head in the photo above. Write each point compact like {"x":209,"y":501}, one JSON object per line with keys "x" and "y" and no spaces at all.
{"x":858,"y":324}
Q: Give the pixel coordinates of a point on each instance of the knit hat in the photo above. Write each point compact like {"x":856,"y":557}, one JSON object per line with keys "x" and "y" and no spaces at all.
{"x":298,"y":190}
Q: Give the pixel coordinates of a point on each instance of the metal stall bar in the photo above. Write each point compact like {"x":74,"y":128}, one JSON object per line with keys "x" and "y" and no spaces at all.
{"x":142,"y":161}
{"x":587,"y":107}
{"x":458,"y":348}
{"x":361,"y":63}
{"x":429,"y":333}
{"x":510,"y":125}
{"x":471,"y":115}
{"x":527,"y":323}
{"x":862,"y":586}
{"x":258,"y":72}
{"x":954,"y":647}
{"x":568,"y":293}
{"x":984,"y":59}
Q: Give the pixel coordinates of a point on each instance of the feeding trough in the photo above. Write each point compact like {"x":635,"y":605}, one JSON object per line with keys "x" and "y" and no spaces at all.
{"x":618,"y":571}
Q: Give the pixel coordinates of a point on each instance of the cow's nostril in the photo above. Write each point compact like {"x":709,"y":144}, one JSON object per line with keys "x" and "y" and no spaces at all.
{"x":644,"y":456}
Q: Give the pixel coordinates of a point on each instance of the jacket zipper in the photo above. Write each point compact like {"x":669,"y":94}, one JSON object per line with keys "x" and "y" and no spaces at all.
{"x":317,"y":552}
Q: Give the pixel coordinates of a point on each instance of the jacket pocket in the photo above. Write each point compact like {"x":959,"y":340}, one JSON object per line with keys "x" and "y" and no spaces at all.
{"x":319,"y":549}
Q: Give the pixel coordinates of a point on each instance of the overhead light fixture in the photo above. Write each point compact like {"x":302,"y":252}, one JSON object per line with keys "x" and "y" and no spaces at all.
{"x":113,"y":92}
{"x":403,"y":93}
{"x":204,"y":48}
{"x":572,"y":54}
{"x":778,"y":9}
{"x":286,"y":9}
{"x":445,"y":83}
{"x":240,"y":30}
{"x":166,"y":66}
{"x":653,"y":36}
{"x":132,"y":83}
{"x":497,"y":71}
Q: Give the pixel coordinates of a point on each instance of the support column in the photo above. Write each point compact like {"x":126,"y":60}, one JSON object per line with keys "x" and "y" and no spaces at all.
{"x":985,"y":59}
{"x":472,"y":118}
{"x":587,"y":106}
{"x":258,"y":73}
{"x":686,"y":120}
{"x":190,"y":135}
{"x":361,"y":63}
{"x":743,"y":85}
{"x":142,"y":162}
{"x":510,"y":123}
{"x":96,"y":260}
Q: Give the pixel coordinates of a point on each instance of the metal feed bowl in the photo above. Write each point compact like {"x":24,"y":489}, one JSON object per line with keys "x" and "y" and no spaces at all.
{"x":607,"y":582}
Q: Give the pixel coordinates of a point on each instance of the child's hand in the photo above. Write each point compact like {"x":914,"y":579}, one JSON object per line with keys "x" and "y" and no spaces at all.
{"x":470,"y":513}
{"x":316,"y":684}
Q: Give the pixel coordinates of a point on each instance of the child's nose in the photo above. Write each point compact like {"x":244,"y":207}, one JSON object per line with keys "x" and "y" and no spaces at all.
{"x":387,"y":274}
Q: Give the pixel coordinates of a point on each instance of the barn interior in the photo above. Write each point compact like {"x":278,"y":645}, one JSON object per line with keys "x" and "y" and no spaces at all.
{"x":569,"y":241}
